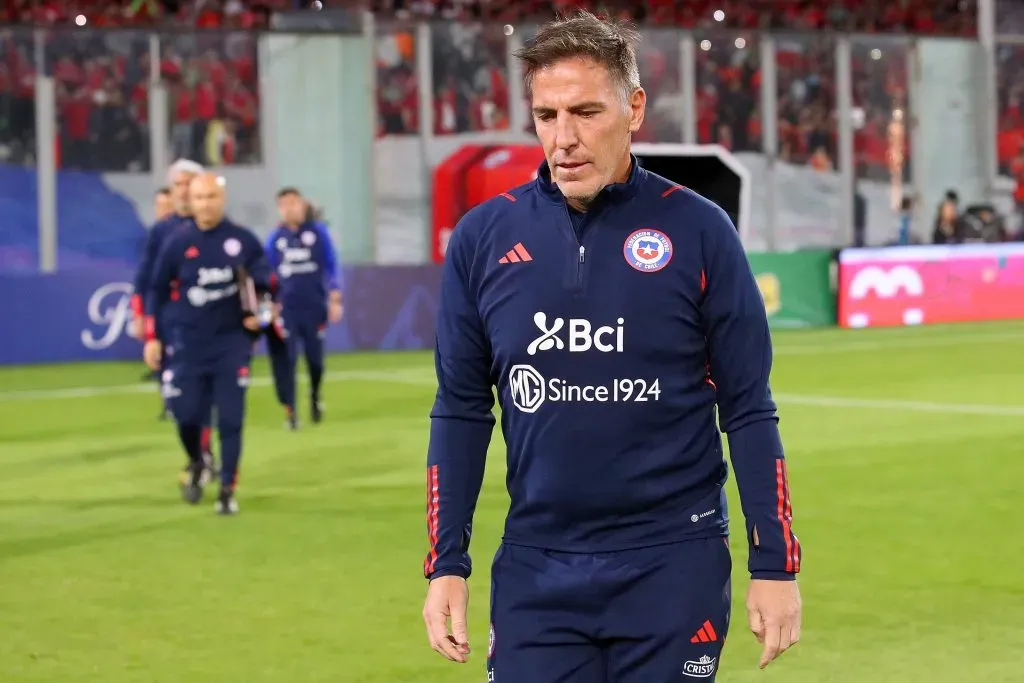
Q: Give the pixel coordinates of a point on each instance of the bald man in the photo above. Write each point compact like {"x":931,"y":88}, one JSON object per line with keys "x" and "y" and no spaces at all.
{"x":213,"y":335}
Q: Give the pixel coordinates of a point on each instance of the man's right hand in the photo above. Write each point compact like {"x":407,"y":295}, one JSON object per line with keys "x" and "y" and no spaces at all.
{"x":151,"y":353}
{"x":448,"y":598}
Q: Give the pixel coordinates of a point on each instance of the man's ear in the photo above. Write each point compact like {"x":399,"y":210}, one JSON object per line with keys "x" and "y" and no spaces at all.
{"x":637,"y":108}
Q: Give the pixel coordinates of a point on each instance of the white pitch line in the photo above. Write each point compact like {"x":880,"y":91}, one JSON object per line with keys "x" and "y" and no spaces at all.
{"x":892,"y":404}
{"x":422,"y":379}
{"x":810,"y":349}
{"x":152,"y":387}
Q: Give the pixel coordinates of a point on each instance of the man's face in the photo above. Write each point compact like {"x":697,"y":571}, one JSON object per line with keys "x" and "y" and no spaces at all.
{"x":583,"y":125}
{"x":163,"y":206}
{"x":180,"y":191}
{"x":206,"y":200}
{"x":292,"y":208}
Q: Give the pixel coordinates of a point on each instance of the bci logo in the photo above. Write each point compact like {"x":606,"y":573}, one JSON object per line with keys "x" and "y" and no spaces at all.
{"x":582,"y":335}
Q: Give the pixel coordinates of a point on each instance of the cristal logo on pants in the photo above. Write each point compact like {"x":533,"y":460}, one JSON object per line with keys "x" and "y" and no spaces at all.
{"x":701,"y":668}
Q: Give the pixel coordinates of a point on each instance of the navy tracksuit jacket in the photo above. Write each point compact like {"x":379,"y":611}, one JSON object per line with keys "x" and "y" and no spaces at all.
{"x":158,"y":236}
{"x":212,"y":349}
{"x":613,"y":338}
{"x":307,"y":268}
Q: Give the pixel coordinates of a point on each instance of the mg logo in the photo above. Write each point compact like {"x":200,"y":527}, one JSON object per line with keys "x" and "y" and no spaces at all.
{"x":527,"y":386}
{"x":582,"y":335}
{"x":886,"y":285}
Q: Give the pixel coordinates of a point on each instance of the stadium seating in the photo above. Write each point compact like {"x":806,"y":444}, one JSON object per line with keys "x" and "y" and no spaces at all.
{"x":936,"y":17}
{"x":213,"y":85}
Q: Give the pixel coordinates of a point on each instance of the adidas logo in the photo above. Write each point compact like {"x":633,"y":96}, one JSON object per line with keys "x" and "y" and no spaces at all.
{"x":705,"y":634}
{"x":516,"y":254}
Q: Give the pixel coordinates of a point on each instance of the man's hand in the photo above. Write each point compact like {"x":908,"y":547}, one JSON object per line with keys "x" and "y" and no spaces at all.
{"x":251,"y":323}
{"x":774,"y":612}
{"x":334,"y":311}
{"x":151,"y":353}
{"x":448,"y":598}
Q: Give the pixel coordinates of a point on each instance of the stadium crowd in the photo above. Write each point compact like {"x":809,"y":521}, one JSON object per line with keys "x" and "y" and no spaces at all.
{"x":103,"y":76}
{"x":933,"y":17}
{"x":471,"y":91}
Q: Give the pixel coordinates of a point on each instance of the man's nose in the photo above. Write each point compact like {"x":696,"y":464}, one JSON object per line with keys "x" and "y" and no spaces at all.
{"x":566,"y":136}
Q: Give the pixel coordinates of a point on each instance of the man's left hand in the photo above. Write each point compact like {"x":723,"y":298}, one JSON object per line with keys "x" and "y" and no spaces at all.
{"x":334,"y":311}
{"x":774,"y":612}
{"x":251,"y":323}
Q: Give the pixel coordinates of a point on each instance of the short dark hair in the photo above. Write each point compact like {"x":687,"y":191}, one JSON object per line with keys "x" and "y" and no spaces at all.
{"x":610,"y":43}
{"x":163,"y":191}
{"x":285,"y":191}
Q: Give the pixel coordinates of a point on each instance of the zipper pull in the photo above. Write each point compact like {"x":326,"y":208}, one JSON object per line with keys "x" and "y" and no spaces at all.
{"x":583,"y":253}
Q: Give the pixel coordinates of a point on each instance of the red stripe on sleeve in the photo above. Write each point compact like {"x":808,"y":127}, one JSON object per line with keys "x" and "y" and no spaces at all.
{"x":432,"y":504}
{"x":797,"y":548}
{"x":137,"y":306}
{"x":149,"y":328}
{"x":785,"y":515}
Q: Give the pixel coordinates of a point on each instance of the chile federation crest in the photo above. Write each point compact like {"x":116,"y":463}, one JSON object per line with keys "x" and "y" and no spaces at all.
{"x":647,"y":250}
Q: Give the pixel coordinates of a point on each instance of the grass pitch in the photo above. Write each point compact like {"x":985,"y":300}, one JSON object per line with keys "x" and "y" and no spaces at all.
{"x":906,"y":453}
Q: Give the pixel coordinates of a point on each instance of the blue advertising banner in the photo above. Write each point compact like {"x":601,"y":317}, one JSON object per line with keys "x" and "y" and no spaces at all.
{"x":84,"y":315}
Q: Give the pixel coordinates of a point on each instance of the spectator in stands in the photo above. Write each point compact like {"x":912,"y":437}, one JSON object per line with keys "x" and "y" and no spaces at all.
{"x":981,"y":223}
{"x":115,"y":132}
{"x":729,"y":77}
{"x":947,"y":220}
{"x":1017,"y":171}
{"x":470,"y":81}
{"x":906,"y":216}
{"x":820,"y":160}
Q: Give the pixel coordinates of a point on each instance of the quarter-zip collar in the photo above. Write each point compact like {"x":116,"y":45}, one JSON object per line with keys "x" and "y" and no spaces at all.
{"x":614,"y":192}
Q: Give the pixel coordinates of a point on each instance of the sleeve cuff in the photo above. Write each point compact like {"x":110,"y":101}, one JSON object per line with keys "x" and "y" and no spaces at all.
{"x":149,"y":328}
{"x":773,"y":576}
{"x":449,"y":571}
{"x":137,"y":307}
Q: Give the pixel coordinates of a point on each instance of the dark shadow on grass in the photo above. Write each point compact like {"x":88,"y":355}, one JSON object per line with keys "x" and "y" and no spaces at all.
{"x":86,"y":504}
{"x":92,"y":456}
{"x":40,"y":545}
{"x":361,"y":507}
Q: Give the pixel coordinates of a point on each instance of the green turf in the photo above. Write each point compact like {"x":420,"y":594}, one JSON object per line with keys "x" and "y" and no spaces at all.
{"x":906,"y":484}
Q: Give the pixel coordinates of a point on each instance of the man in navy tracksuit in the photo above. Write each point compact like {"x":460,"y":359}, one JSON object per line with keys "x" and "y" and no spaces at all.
{"x":614,"y":311}
{"x":180,"y":175}
{"x":309,"y":295}
{"x":212,"y":336}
